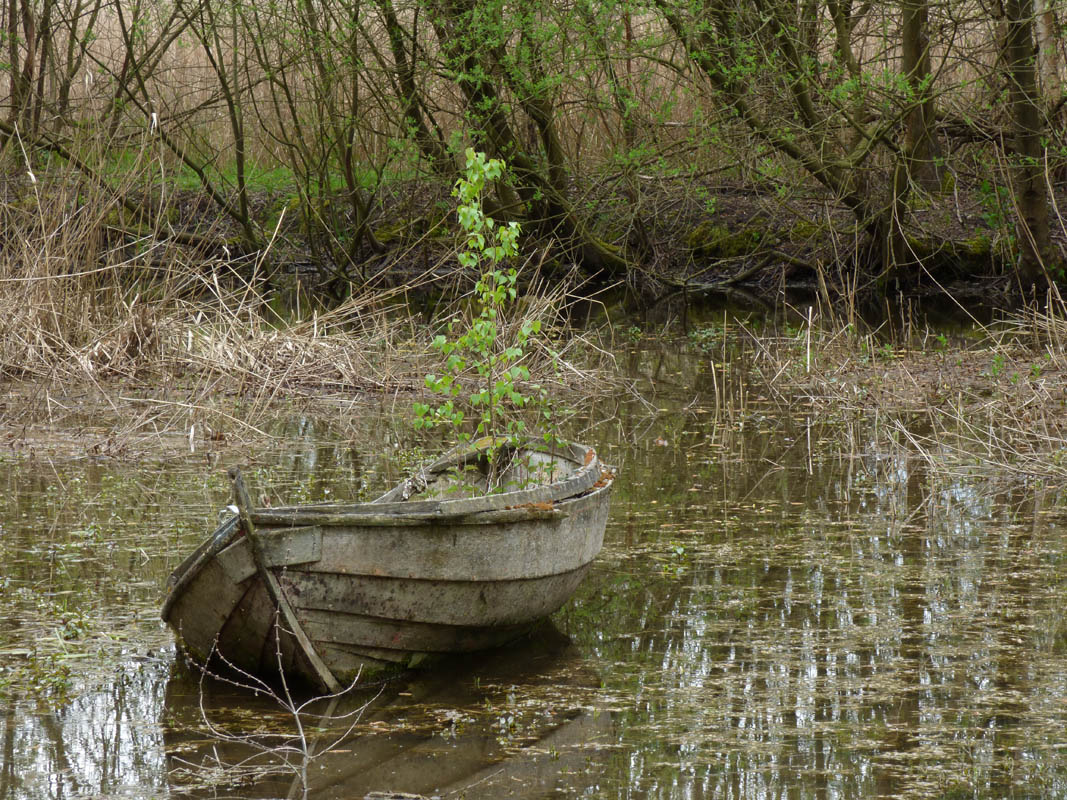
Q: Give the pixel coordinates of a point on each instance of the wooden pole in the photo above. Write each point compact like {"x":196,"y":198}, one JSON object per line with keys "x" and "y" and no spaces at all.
{"x":274,"y":589}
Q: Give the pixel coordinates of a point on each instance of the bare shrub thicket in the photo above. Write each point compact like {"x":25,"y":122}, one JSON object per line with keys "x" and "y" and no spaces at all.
{"x":863,"y":145}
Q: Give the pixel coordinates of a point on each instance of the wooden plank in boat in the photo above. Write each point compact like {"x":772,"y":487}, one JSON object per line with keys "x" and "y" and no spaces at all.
{"x":381,"y":633}
{"x":435,"y":602}
{"x":281,"y":548}
{"x":243,"y":640}
{"x":201,"y":610}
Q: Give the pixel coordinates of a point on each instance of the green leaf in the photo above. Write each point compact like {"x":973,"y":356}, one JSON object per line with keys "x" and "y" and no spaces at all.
{"x":485,"y":342}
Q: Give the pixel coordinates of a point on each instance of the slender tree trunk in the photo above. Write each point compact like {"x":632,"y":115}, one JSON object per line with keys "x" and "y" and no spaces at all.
{"x":22,"y":47}
{"x":916,"y":164}
{"x":46,"y":58}
{"x":1049,"y":57}
{"x":78,"y":40}
{"x":841,"y":15}
{"x":473,"y":64}
{"x":432,"y":148}
{"x":210,"y":32}
{"x":1031,"y":196}
{"x":128,"y":59}
{"x":920,"y":146}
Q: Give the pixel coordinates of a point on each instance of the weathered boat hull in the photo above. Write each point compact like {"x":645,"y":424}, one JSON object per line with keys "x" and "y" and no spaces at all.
{"x":372,"y":588}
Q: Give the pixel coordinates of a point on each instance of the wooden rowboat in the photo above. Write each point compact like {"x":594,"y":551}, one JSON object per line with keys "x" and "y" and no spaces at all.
{"x":328,"y":591}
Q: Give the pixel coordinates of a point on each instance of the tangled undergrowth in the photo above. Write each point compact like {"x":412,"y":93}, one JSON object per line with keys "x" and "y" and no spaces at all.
{"x":141,"y":343}
{"x":148,"y":338}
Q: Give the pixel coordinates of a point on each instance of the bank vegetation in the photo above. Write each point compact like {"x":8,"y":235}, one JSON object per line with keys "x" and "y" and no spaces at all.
{"x":206,"y":193}
{"x":839,"y":144}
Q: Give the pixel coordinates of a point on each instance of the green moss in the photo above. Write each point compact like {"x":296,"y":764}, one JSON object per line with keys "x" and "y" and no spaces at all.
{"x":803,"y":231}
{"x":392,"y":232}
{"x":920,"y":201}
{"x":973,"y":254}
{"x":920,"y":245}
{"x":712,"y":240}
{"x":948,"y":181}
{"x":978,"y":245}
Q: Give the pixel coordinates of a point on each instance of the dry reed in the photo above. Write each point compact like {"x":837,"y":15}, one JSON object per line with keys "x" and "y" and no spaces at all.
{"x":989,"y":405}
{"x":165,"y":342}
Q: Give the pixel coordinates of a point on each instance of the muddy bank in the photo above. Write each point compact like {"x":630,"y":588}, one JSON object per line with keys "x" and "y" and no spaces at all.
{"x":699,"y":240}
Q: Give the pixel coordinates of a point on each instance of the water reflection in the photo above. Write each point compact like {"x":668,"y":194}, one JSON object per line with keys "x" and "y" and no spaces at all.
{"x":827,"y":628}
{"x":517,"y":723}
{"x":103,"y":742}
{"x":788,"y":606}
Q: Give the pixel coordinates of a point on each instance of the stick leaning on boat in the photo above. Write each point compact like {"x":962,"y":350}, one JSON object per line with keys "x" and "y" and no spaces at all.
{"x":277,"y":595}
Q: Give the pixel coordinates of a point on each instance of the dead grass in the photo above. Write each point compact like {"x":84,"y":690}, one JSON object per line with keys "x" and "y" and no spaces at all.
{"x":992,"y":404}
{"x":133,"y":343}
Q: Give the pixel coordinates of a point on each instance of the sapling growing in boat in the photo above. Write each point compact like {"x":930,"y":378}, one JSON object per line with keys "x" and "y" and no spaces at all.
{"x":486,"y":346}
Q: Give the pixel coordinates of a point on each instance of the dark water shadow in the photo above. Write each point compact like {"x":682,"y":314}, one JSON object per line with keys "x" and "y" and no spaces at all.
{"x":516,"y":722}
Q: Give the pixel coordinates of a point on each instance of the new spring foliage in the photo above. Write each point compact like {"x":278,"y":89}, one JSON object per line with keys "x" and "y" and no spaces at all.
{"x":483,"y":346}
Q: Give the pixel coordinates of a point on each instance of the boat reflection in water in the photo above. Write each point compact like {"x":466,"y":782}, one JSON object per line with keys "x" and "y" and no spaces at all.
{"x":518,"y":722}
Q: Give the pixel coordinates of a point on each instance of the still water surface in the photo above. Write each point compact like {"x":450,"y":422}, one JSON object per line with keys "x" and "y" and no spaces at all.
{"x":787,"y":606}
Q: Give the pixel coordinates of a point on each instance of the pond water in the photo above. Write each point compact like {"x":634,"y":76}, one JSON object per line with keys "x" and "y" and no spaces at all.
{"x":787,"y":606}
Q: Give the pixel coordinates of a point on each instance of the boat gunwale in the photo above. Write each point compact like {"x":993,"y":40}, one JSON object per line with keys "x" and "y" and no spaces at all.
{"x":299,"y":517}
